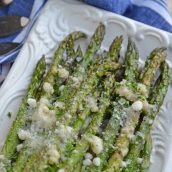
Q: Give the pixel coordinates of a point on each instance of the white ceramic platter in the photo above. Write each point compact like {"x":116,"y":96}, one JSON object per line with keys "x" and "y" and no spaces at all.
{"x":59,"y":18}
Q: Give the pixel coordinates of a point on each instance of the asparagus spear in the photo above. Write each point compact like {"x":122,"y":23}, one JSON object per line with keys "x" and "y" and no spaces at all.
{"x":81,"y":71}
{"x":92,"y":82}
{"x":94,"y":45}
{"x":12,"y":140}
{"x":103,"y":69}
{"x":83,"y":145}
{"x":120,"y":106}
{"x":111,"y":55}
{"x":131,"y":61}
{"x":115,"y":48}
{"x":53,"y":70}
{"x":51,"y":78}
{"x":124,"y":138}
{"x":157,"y":98}
{"x":69,"y":64}
{"x":145,"y":154}
{"x":156,"y":58}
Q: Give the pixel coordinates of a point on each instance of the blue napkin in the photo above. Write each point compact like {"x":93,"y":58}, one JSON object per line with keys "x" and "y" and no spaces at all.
{"x":27,"y":8}
{"x":151,"y":12}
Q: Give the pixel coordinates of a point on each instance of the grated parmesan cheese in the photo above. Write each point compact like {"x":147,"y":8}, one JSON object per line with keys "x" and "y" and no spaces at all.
{"x":88,"y":156}
{"x":44,"y":117}
{"x":2,"y":167}
{"x":123,"y":91}
{"x":19,"y":147}
{"x":124,"y":152}
{"x":61,"y":170}
{"x":54,"y":155}
{"x":137,"y":106}
{"x":44,"y":101}
{"x":2,"y":157}
{"x":123,"y":164}
{"x":92,"y":104}
{"x":64,"y":132}
{"x":48,"y":88}
{"x":60,"y":105}
{"x":96,"y":161}
{"x":61,"y":88}
{"x":150,"y":121}
{"x":96,"y":144}
{"x":76,"y":80}
{"x":143,"y":89}
{"x":67,"y":115}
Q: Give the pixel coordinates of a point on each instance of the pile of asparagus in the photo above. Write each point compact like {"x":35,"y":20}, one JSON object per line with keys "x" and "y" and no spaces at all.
{"x":89,"y":112}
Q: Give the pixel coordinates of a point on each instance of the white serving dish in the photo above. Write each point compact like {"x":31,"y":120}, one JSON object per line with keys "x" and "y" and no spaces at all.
{"x":57,"y":19}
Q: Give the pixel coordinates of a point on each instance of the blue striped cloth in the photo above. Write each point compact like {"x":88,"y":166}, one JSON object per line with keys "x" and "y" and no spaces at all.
{"x":151,"y":12}
{"x":27,"y":8}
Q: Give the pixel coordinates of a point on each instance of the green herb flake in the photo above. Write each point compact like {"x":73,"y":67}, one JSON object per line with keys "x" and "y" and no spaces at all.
{"x":9,"y":114}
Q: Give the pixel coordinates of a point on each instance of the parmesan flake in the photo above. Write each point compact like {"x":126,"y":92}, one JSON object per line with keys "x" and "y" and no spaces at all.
{"x":96,"y":161}
{"x":87,"y":162}
{"x":63,"y":73}
{"x":96,"y":144}
{"x":137,"y":106}
{"x":24,"y":135}
{"x":32,"y":102}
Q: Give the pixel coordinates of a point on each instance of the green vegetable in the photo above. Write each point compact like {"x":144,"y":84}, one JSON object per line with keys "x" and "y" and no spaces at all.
{"x":157,"y":98}
{"x":123,"y":141}
{"x":83,"y":145}
{"x":12,"y":140}
{"x":51,"y":76}
{"x":119,"y":113}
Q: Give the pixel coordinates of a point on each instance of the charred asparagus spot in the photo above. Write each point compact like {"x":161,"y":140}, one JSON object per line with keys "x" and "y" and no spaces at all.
{"x":81,"y":70}
{"x":53,"y":71}
{"x":157,"y":97}
{"x":12,"y":140}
